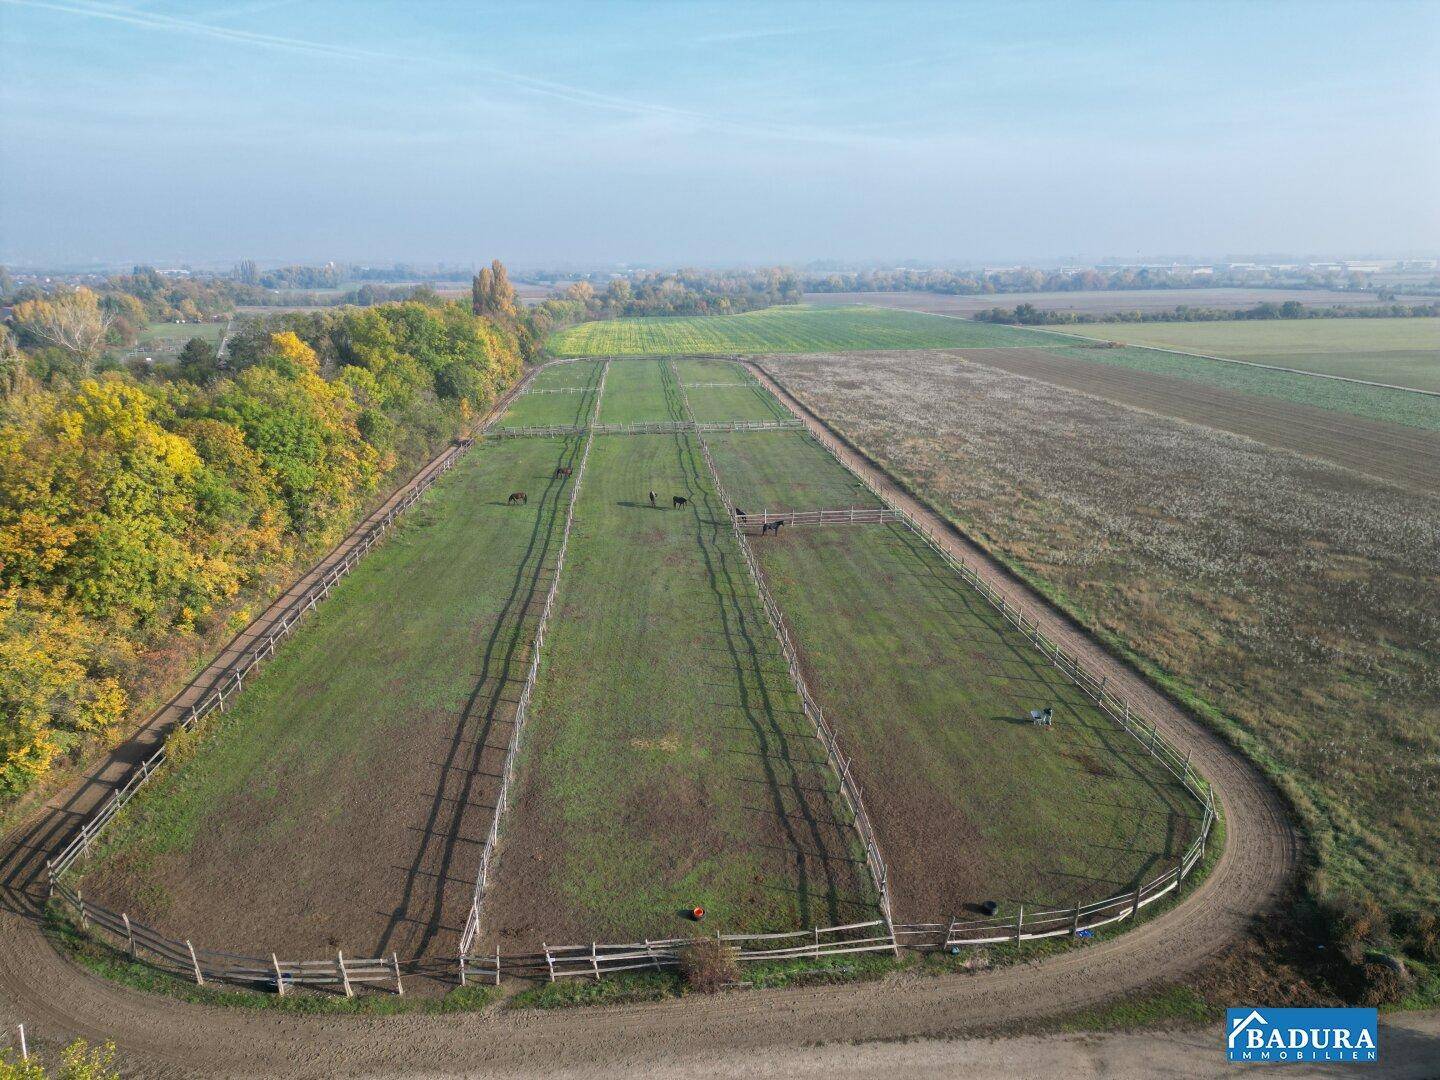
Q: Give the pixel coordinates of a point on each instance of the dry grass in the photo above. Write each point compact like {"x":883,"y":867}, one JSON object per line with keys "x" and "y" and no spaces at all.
{"x":1300,"y":601}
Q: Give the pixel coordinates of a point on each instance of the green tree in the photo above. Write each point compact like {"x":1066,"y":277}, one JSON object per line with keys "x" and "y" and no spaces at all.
{"x":199,"y":362}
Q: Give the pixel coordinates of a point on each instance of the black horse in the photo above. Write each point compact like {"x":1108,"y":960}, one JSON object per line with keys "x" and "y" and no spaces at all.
{"x":771,"y":526}
{"x":677,"y":501}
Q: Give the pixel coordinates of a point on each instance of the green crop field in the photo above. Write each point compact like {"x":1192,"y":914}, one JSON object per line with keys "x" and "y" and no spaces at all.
{"x":1369,"y":402}
{"x":1404,"y":352}
{"x":784,"y":329}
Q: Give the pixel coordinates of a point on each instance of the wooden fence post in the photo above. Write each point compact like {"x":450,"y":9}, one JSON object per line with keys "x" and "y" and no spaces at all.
{"x":497,"y":965}
{"x":1019,"y":922}
{"x":1075,"y":921}
{"x":279,"y":978}
{"x":344,"y":975}
{"x":817,"y":942}
{"x":1135,"y":906}
{"x":462,"y":969}
{"x":84,"y":922}
{"x":130,"y":935}
{"x":195,"y":963}
{"x":395,"y":964}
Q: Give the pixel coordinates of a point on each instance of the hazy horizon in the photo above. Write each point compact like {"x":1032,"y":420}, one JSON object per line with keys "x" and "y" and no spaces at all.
{"x":714,"y":134}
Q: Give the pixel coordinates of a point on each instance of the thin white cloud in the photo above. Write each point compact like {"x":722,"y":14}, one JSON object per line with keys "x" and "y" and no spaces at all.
{"x":548,"y":88}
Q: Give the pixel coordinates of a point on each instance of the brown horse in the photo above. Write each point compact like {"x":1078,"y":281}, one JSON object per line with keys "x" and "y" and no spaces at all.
{"x":563,"y":470}
{"x":517,"y":497}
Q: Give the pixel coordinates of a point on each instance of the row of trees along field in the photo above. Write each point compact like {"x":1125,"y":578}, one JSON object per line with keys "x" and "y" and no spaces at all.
{"x":683,"y":292}
{"x":141,"y":513}
{"x":1030,"y":315}
{"x":1026,"y":279}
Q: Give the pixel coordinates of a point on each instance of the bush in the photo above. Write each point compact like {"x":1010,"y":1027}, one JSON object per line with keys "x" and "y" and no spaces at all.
{"x":708,"y":965}
{"x":1354,"y":924}
{"x":1382,"y":981}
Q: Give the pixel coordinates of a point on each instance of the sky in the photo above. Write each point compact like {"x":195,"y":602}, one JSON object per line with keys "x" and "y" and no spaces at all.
{"x":714,"y":134}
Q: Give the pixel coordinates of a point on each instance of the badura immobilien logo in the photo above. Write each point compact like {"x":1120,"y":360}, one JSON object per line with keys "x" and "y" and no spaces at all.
{"x":1301,"y":1034}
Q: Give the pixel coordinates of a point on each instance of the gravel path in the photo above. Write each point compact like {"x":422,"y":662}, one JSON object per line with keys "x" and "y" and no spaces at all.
{"x":747,"y":1032}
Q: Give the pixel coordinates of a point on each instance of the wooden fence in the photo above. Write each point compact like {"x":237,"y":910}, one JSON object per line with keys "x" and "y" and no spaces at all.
{"x":854,"y":515}
{"x":654,"y":427}
{"x":232,"y":682}
{"x":849,"y":788}
{"x":507,"y":772}
{"x":561,"y":390}
{"x":595,"y":960}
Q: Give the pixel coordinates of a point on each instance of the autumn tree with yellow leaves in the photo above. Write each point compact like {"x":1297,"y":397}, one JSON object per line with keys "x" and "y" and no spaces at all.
{"x":135,"y":514}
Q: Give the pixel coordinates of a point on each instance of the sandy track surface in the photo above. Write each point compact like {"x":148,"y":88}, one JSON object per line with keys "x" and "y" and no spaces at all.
{"x":1403,"y":455}
{"x":748,"y":1032}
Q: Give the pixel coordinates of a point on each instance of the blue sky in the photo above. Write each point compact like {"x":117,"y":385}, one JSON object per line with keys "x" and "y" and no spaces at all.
{"x":714,"y":133}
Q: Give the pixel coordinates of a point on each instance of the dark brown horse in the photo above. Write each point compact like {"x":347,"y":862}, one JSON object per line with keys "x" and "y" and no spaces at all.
{"x":563,"y":470}
{"x":517,"y":497}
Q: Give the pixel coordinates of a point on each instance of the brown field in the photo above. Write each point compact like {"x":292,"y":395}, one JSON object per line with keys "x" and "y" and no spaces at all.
{"x":1405,"y":455}
{"x":1095,"y":303}
{"x":1286,"y":595}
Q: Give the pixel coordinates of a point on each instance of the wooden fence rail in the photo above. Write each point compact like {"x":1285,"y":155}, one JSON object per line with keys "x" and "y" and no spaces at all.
{"x":653,"y":427}
{"x":853,"y":515}
{"x":595,"y":960}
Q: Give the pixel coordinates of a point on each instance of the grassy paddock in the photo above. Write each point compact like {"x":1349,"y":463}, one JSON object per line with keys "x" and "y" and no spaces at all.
{"x":639,"y":393}
{"x":785,"y":329}
{"x":377,"y":711}
{"x":932,"y":691}
{"x":783,"y":470}
{"x":546,"y":410}
{"x":667,"y":762}
{"x":742,"y":398}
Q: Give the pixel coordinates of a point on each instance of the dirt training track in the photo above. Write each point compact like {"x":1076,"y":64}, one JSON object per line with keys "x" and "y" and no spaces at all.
{"x":56,"y":1000}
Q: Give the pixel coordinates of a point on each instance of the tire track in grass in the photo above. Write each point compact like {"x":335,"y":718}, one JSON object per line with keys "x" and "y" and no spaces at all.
{"x":745,"y":656}
{"x":432,"y":861}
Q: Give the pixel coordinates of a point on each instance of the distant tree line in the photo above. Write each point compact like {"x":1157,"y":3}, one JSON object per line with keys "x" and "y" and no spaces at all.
{"x":1023,"y":279}
{"x":1030,"y":315}
{"x":649,"y":293}
{"x":142,"y":511}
